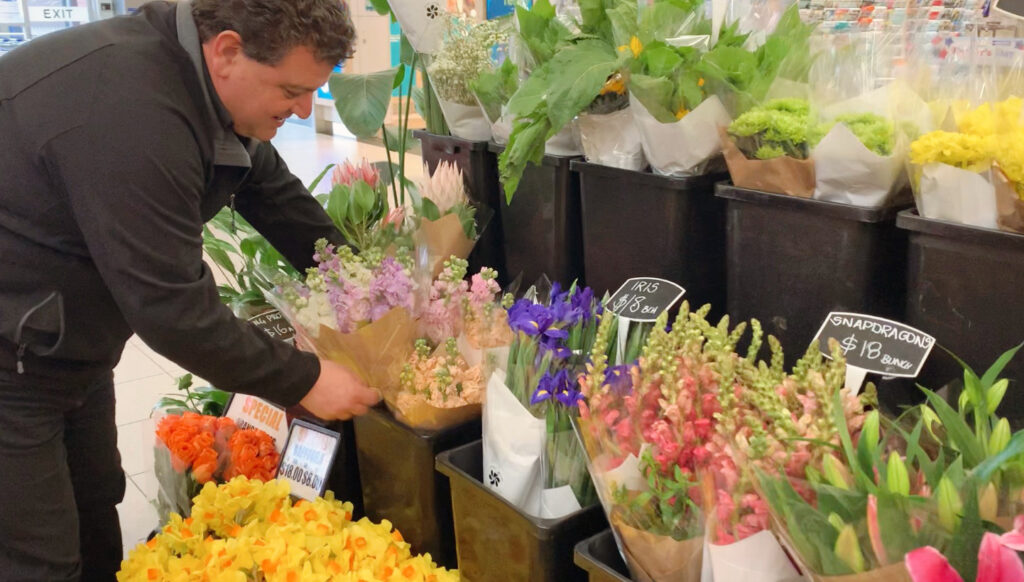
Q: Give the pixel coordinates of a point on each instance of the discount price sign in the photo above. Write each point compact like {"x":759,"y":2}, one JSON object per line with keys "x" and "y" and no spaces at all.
{"x":644,"y":298}
{"x":874,"y":344}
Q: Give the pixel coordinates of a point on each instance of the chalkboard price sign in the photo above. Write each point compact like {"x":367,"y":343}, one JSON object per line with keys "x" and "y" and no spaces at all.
{"x":877,"y":345}
{"x":274,"y":324}
{"x":644,"y":298}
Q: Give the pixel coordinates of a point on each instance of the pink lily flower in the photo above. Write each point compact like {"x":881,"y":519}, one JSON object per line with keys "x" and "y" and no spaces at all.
{"x":874,"y":533}
{"x":997,"y":561}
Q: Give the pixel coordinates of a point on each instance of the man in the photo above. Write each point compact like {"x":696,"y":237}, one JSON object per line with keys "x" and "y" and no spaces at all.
{"x":118,"y":140}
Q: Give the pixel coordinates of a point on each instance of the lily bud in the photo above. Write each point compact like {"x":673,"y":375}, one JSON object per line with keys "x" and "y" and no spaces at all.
{"x":950,"y":504}
{"x":897,"y":479}
{"x":999,"y":438}
{"x":988,"y":503}
{"x":835,"y":473}
{"x":848,"y":550}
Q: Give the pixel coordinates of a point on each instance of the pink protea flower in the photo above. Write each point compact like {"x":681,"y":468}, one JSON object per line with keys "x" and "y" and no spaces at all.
{"x":347,"y":174}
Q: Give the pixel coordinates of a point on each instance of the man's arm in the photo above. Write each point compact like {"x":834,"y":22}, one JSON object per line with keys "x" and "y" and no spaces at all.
{"x":134,"y":185}
{"x":278,"y":205}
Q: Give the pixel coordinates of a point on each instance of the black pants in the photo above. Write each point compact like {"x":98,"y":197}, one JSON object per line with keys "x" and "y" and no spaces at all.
{"x":60,"y":480}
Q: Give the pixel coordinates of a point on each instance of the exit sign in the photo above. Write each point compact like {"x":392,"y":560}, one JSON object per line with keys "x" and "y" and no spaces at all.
{"x":58,"y":13}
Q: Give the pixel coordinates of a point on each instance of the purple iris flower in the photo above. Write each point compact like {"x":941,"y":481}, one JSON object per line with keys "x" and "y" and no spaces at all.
{"x":529,"y":318}
{"x":583,"y":301}
{"x":619,"y":379}
{"x":546,"y":388}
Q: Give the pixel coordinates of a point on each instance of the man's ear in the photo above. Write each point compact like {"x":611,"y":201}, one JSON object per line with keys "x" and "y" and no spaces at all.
{"x":223,"y":52}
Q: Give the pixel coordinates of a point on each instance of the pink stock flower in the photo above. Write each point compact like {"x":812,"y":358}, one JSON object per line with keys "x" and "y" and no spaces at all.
{"x":347,"y":174}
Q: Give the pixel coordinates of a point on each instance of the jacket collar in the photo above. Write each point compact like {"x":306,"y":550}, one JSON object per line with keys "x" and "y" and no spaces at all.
{"x":229,"y":148}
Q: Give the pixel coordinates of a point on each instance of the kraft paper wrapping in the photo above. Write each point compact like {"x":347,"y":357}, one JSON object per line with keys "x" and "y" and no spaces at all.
{"x":445,"y":237}
{"x":782,"y":175}
{"x":1009,"y":206}
{"x":424,"y":416}
{"x":376,"y":352}
{"x":655,"y":558}
{"x":891,"y":573}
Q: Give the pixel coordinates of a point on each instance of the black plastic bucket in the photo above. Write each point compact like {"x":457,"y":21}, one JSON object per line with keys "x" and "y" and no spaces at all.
{"x":963,"y":287}
{"x":639,"y":224}
{"x":496,"y":542}
{"x":600,"y":559}
{"x":793,"y":260}
{"x":542,"y":227}
{"x":400,"y":483}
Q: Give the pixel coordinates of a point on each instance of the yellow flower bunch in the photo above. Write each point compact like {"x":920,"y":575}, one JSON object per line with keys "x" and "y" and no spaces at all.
{"x":986,"y":120}
{"x":245,"y":530}
{"x":1010,"y":157}
{"x":965,"y":151}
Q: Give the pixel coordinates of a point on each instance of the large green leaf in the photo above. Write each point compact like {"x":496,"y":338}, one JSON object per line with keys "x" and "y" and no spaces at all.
{"x":992,"y":374}
{"x":957,"y":430}
{"x":338,"y":203}
{"x":623,"y":18}
{"x":525,"y":145}
{"x":362,"y":100}
{"x":531,"y":94}
{"x":381,"y":6}
{"x":661,"y":60}
{"x":577,"y":74}
{"x":655,"y":93}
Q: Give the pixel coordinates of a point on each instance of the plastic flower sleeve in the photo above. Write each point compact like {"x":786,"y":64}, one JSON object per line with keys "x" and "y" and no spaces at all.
{"x":465,"y":54}
{"x":858,"y":154}
{"x":423,"y":22}
{"x":612,"y":139}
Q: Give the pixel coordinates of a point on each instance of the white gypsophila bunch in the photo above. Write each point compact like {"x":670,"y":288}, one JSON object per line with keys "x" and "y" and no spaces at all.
{"x":445,"y":187}
{"x":466,"y":53}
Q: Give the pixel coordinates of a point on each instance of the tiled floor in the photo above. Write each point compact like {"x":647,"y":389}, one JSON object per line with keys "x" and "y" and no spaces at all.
{"x":143,"y":376}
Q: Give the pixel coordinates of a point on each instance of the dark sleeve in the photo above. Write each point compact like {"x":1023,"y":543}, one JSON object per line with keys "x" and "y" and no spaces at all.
{"x":280,"y":207}
{"x":134,"y":179}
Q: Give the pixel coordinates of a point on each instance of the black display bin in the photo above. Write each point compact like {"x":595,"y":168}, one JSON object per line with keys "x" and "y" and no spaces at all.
{"x":793,"y":260}
{"x":600,"y":559}
{"x":400,"y":483}
{"x":479,"y":167}
{"x":542,"y":227}
{"x":963,"y":287}
{"x":496,"y":542}
{"x":343,"y":479}
{"x":639,"y":224}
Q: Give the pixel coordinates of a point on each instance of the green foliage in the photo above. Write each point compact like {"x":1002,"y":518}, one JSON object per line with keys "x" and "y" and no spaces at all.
{"x":201,"y":400}
{"x":495,"y":87}
{"x":362,"y":100}
{"x":551,"y":98}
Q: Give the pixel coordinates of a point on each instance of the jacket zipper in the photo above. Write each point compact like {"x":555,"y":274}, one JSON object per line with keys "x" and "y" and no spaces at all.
{"x":21,"y":354}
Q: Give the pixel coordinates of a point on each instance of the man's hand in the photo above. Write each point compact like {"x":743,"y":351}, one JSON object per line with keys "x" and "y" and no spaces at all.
{"x":338,"y":394}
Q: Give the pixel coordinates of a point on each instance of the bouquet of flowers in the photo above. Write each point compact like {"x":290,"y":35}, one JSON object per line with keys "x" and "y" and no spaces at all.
{"x":449,"y":223}
{"x":192,"y":450}
{"x":767,"y":148}
{"x":973,"y":175}
{"x":465,"y":54}
{"x":358,"y":205}
{"x":443,"y":386}
{"x":885,"y":493}
{"x":247,"y":529}
{"x":649,"y":429}
{"x":357,"y":310}
{"x":531,"y":456}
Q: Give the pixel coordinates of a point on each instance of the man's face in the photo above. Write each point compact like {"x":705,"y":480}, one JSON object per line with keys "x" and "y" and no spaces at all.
{"x":260,"y":97}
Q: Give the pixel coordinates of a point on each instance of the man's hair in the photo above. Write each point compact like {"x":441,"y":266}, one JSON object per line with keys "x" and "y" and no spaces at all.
{"x":271,"y":28}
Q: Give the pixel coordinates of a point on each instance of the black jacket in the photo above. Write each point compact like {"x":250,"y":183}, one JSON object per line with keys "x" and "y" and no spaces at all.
{"x":107,"y":175}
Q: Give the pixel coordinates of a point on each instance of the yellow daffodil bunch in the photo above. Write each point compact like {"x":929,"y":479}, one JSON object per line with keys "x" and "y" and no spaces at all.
{"x":250,"y":530}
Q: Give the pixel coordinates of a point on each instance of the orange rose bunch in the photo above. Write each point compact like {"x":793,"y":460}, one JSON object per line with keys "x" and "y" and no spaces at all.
{"x":253,"y":455}
{"x":193,"y":449}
